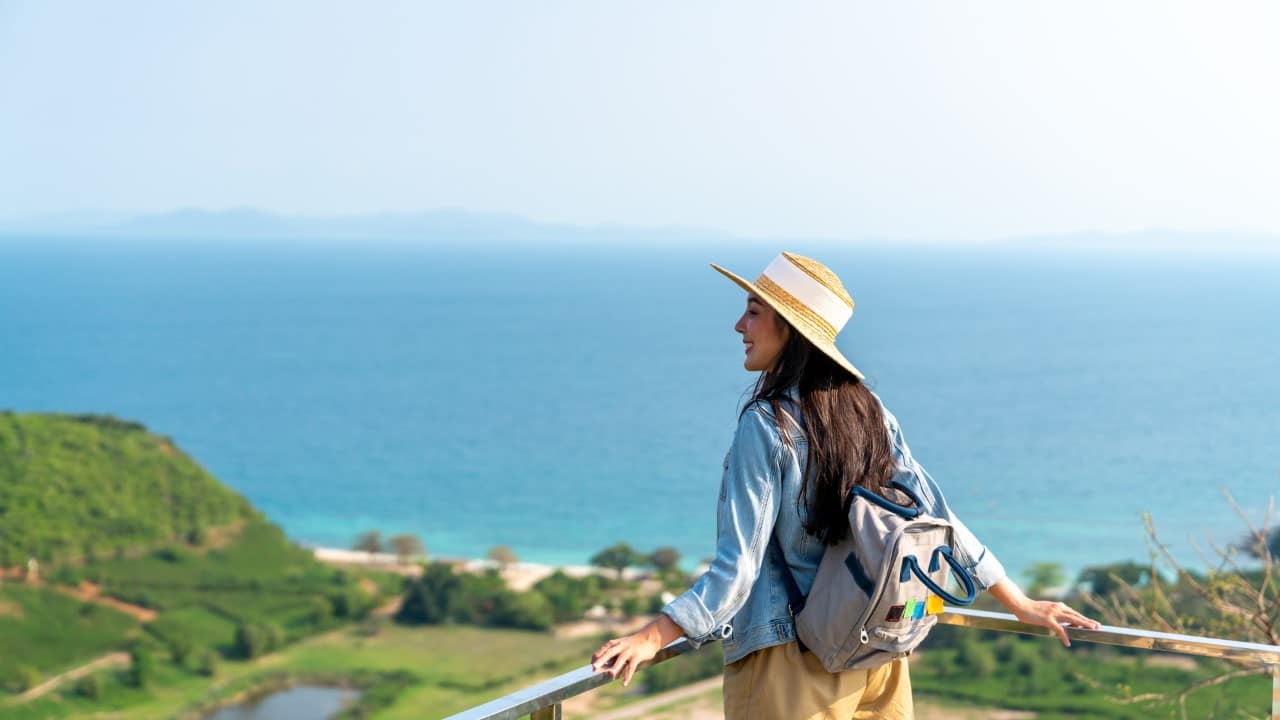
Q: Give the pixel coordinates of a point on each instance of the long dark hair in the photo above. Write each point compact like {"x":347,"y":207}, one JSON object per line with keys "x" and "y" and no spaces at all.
{"x":847,"y":439}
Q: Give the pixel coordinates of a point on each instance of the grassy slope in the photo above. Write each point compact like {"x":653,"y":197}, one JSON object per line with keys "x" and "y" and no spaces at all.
{"x":1060,"y":684}
{"x":459,"y":667}
{"x":50,"y":632}
{"x":76,"y":484}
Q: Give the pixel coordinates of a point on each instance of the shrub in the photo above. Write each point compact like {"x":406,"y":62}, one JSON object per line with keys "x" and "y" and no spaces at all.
{"x":570,"y":597}
{"x":690,"y":667}
{"x":180,"y":645}
{"x":1005,"y":648}
{"x":172,"y":555}
{"x":975,"y":657}
{"x":632,"y":606}
{"x":527,"y":611}
{"x":254,"y":639}
{"x":89,"y":686}
{"x":67,"y":575}
{"x":141,"y":666}
{"x":23,"y":678}
{"x":206,"y":662}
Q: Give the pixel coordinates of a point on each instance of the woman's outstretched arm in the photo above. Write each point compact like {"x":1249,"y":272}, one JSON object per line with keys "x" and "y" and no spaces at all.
{"x":745,"y":517}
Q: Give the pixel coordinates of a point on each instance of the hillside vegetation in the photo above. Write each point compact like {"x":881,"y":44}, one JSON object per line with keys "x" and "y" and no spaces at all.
{"x":141,"y":550}
{"x":78,"y":486}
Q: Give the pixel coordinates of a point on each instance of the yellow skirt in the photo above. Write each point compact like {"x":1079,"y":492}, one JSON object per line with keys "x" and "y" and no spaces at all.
{"x":781,"y":683}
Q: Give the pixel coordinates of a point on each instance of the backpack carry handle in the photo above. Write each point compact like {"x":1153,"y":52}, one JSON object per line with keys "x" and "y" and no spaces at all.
{"x":908,"y":513}
{"x":912,"y":566}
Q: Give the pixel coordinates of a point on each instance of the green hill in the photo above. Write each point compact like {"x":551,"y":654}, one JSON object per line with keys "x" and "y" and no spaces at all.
{"x":116,"y":514}
{"x":78,"y":486}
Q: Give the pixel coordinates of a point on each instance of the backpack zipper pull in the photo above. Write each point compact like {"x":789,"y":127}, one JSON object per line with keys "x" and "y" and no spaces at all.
{"x":863,"y":636}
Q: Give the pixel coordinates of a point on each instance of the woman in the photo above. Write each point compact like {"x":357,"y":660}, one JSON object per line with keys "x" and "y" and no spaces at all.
{"x":811,"y":416}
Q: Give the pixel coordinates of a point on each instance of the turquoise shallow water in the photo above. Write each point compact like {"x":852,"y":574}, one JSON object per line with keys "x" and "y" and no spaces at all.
{"x":560,"y":400}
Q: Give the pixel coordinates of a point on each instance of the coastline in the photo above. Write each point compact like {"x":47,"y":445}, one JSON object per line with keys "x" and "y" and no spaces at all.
{"x":519,"y":576}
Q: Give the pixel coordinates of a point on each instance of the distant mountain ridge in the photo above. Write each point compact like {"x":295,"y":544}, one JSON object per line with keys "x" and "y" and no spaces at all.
{"x":454,"y":225}
{"x":254,"y":223}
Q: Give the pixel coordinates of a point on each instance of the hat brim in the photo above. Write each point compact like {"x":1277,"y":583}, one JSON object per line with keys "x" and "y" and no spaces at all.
{"x":820,"y":342}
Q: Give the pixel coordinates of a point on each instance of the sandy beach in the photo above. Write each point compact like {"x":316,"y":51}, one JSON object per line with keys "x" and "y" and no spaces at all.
{"x":518,"y":575}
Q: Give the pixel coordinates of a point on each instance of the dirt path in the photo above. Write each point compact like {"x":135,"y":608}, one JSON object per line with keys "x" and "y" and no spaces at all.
{"x":115,"y":659}
{"x":641,"y":709}
{"x":389,"y":609}
{"x":88,"y":592}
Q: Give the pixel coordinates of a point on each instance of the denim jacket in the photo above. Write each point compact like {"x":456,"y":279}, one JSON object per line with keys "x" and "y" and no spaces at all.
{"x":742,"y":598}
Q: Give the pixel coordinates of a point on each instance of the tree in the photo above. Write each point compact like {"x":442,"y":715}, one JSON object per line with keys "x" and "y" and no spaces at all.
{"x":664,"y":558}
{"x":1044,"y":575}
{"x":180,"y":644}
{"x":348,"y":602}
{"x":502,"y":555}
{"x":1228,"y":600}
{"x":617,"y":557}
{"x":526,"y":610}
{"x":430,"y":598}
{"x":142,"y":666}
{"x":569,"y":596}
{"x":369,"y":541}
{"x":1106,"y":579}
{"x":407,"y":547}
{"x":1258,"y":546}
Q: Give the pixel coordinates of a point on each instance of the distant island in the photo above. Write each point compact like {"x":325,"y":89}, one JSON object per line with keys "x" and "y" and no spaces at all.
{"x":457,"y":225}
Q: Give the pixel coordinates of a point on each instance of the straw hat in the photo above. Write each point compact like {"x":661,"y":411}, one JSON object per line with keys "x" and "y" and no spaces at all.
{"x":807,"y":295}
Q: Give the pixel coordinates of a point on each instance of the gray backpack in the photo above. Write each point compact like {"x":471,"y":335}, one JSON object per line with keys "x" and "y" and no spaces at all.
{"x":876,"y":593}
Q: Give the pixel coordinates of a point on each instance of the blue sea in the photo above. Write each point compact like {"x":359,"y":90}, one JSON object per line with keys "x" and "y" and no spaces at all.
{"x":561,"y":399}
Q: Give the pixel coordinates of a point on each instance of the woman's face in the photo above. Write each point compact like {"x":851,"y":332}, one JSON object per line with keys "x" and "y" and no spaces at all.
{"x":764,"y":333}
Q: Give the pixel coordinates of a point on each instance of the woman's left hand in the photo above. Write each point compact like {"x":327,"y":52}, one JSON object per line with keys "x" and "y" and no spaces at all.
{"x":1048,"y":613}
{"x":621,"y":656}
{"x":1052,"y":615}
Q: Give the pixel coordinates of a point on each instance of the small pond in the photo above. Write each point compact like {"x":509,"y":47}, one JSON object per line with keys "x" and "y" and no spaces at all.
{"x":295,"y":703}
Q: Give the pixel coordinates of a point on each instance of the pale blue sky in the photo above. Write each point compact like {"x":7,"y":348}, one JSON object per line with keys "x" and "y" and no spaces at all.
{"x":943,"y":120}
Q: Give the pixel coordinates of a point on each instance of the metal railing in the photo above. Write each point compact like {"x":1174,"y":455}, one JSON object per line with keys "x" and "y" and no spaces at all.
{"x":543,"y":700}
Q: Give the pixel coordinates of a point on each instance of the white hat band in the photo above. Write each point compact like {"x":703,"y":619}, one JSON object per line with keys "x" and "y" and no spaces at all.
{"x":803,"y":287}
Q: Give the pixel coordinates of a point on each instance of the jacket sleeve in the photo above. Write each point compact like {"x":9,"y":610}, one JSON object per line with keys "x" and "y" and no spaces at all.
{"x":981,"y":563}
{"x":745,"y":517}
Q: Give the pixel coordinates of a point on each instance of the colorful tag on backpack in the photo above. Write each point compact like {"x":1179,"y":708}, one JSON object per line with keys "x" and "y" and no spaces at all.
{"x":933,"y":605}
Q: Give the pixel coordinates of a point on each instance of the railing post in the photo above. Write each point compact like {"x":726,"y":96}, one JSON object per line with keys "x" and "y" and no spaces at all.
{"x":547,"y":713}
{"x":1275,"y":692}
